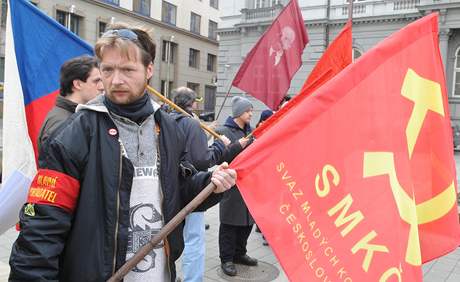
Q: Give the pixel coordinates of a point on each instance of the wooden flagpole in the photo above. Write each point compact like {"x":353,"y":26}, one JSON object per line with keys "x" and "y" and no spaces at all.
{"x":160,"y":236}
{"x":179,"y":109}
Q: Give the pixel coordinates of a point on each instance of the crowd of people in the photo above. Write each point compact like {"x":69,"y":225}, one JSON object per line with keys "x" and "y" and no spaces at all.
{"x":115,"y":167}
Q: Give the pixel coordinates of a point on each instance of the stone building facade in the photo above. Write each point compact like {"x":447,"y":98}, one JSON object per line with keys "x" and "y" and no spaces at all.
{"x":185,"y":33}
{"x":244,"y":21}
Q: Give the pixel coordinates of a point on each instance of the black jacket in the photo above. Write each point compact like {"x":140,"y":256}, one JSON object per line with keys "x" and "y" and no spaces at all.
{"x":233,"y":210}
{"x":90,"y":243}
{"x":199,"y":153}
{"x":63,"y":109}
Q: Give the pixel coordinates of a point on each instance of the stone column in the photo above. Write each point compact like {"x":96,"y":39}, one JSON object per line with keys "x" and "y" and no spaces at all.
{"x":444,"y":34}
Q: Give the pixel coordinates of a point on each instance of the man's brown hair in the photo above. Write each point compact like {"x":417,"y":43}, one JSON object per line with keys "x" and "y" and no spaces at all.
{"x":144,"y":42}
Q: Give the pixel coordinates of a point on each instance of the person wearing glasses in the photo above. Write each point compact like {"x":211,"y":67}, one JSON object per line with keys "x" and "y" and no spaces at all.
{"x":111,"y":179}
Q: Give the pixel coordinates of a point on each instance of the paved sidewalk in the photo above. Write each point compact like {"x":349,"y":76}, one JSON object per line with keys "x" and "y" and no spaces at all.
{"x":446,"y":268}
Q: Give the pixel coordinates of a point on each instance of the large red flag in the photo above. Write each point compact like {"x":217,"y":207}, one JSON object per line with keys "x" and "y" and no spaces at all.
{"x":358,"y":182}
{"x":336,"y":57}
{"x":267,"y":71}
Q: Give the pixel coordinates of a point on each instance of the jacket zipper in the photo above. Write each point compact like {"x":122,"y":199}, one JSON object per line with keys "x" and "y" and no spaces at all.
{"x":118,"y":213}
{"x":166,"y":243}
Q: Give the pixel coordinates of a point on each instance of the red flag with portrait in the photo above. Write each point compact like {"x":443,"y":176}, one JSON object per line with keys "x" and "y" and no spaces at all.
{"x":267,"y":71}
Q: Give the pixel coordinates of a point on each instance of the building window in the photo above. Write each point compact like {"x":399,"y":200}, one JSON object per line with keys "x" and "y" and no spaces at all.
{"x":212,"y":59}
{"x":265,"y":3}
{"x":456,"y":89}
{"x":195,"y":23}
{"x":101,"y":28}
{"x":142,"y":7}
{"x":3,"y":13}
{"x":214,"y":3}
{"x":356,"y":53}
{"x":262,"y":3}
{"x":2,"y":69}
{"x":114,"y":2}
{"x":63,"y":18}
{"x":209,"y":98}
{"x":172,"y":51}
{"x":2,"y":75}
{"x":75,"y":24}
{"x":168,"y":13}
{"x":212,"y":30}
{"x":195,"y":87}
{"x":164,"y":90}
{"x":194,"y":58}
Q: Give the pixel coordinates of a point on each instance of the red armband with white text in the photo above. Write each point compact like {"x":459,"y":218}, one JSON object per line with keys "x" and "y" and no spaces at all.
{"x":54,"y":188}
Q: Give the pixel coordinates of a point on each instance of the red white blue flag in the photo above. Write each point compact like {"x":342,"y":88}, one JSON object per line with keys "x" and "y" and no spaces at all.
{"x":36,"y":47}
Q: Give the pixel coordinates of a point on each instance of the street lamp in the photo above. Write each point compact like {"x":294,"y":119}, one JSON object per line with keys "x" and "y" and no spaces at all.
{"x":71,"y":11}
{"x":168,"y":61}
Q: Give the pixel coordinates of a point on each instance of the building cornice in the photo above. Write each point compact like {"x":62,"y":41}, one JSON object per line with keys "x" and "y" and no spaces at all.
{"x":152,"y":21}
{"x":438,"y":6}
{"x":322,"y":22}
{"x":228,"y":31}
{"x":380,"y":19}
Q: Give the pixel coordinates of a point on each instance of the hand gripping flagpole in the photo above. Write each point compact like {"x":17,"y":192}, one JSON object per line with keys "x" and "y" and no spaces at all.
{"x":160,"y":236}
{"x":179,"y":109}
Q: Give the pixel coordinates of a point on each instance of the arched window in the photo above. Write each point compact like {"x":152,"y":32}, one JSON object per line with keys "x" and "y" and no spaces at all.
{"x":456,"y":88}
{"x":356,"y":53}
{"x":265,"y":3}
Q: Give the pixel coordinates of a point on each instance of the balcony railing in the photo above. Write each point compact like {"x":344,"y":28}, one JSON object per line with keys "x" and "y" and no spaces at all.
{"x":357,"y":9}
{"x":261,"y":13}
{"x":405,"y":4}
{"x":374,"y":8}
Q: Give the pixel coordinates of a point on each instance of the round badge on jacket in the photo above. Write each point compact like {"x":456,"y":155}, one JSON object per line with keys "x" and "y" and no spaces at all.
{"x":112,"y":131}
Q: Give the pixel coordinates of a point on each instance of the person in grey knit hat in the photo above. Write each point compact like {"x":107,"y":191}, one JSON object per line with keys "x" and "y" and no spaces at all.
{"x":240,"y":105}
{"x":235,"y":220}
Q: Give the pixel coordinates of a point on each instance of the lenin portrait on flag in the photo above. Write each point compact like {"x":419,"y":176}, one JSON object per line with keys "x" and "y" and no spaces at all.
{"x":283,"y":42}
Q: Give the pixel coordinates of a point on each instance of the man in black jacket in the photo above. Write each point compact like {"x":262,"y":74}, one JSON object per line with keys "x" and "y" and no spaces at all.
{"x":110,"y":179}
{"x":80,"y":81}
{"x":202,"y":157}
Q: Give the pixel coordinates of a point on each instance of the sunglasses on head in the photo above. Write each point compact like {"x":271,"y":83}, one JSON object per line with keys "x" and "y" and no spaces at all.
{"x":121,"y":33}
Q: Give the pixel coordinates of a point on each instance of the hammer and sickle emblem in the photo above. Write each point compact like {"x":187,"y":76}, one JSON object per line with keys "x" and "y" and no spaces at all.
{"x":426,"y":96}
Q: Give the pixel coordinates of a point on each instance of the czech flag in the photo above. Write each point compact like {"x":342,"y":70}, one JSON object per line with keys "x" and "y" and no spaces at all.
{"x":36,"y":47}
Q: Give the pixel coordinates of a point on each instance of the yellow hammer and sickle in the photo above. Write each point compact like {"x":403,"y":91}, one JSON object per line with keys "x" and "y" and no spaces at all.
{"x":426,"y":95}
